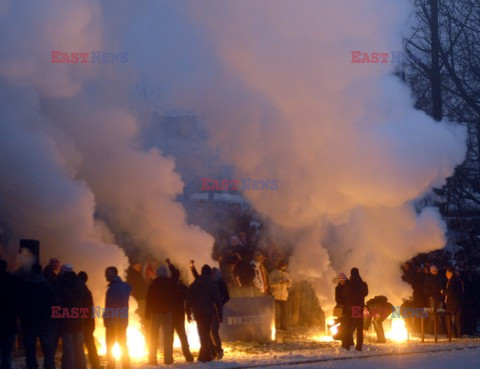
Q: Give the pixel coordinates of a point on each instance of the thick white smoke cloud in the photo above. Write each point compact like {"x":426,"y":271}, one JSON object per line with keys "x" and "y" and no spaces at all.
{"x":70,"y":149}
{"x":273,"y":82}
{"x":348,"y":149}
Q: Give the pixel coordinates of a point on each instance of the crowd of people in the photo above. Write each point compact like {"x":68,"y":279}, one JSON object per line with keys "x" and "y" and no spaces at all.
{"x":29,"y":296}
{"x":445,"y":289}
{"x":54,"y":306}
{"x":440,"y":298}
{"x":248,"y":266}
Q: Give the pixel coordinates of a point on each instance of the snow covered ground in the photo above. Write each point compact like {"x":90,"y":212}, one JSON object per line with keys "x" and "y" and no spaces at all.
{"x":301,"y":349}
{"x":306,"y":350}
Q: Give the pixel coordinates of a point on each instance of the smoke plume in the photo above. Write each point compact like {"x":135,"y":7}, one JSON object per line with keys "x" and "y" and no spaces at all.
{"x":273,"y":83}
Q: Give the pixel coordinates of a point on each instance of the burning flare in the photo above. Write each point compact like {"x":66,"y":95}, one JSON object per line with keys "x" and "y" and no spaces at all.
{"x":398,"y":331}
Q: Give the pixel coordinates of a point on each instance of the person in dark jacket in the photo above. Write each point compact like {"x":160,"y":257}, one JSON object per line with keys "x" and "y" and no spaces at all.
{"x":340,"y":301}
{"x":453,"y":293}
{"x":88,"y":324}
{"x":379,"y":309}
{"x":470,"y":301}
{"x":139,"y":285}
{"x":71,"y":295}
{"x":225,"y":297}
{"x":8,"y":314}
{"x":159,"y":313}
{"x":115,"y":317}
{"x":339,"y":295}
{"x":432,"y":289}
{"x":52,"y":270}
{"x":354,"y":293}
{"x":204,"y":301}
{"x":36,"y":300}
{"x":179,"y":297}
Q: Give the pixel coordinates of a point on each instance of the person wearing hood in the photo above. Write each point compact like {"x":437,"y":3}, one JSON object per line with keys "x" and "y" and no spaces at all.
{"x":115,"y":317}
{"x":37,"y":298}
{"x":158,"y":313}
{"x":354,"y":293}
{"x":71,"y":294}
{"x":279,"y":282}
{"x":205,"y":301}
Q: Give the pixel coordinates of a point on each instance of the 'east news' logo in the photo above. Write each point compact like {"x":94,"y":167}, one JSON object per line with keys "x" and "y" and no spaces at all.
{"x":98,"y":57}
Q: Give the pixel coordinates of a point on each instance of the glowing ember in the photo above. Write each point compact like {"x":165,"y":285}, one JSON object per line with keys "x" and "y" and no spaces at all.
{"x":398,"y":331}
{"x":274,"y":331}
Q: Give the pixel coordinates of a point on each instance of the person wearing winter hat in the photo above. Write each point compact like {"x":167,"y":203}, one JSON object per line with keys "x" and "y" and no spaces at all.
{"x":339,"y":298}
{"x":66,"y":268}
{"x":279,"y":282}
{"x":339,"y":310}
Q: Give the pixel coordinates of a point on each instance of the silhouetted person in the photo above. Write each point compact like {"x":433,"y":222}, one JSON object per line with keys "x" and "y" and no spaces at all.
{"x":8,"y":314}
{"x":36,"y":300}
{"x":52,"y":270}
{"x":433,"y":285}
{"x":379,"y":309}
{"x":453,"y":302}
{"x":88,"y":321}
{"x":354,"y":292}
{"x":214,"y":331}
{"x":179,"y":291}
{"x":115,"y":317}
{"x":158,"y":313}
{"x":204,"y":301}
{"x":139,"y":285}
{"x":70,"y":295}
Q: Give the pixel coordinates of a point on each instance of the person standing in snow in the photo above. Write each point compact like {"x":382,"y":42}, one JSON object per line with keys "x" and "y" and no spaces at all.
{"x":115,"y":317}
{"x":204,"y":301}
{"x":354,"y":293}
{"x":453,"y":293}
{"x":279,"y":282}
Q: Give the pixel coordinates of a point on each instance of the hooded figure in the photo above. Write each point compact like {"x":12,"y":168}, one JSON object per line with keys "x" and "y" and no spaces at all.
{"x":354,"y":293}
